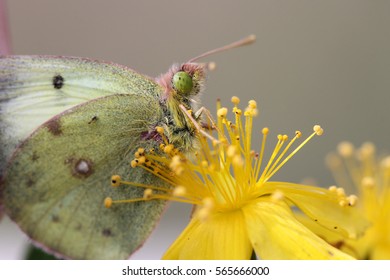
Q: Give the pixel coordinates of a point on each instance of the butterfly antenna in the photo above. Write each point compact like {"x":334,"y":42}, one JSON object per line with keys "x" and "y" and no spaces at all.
{"x":243,"y":42}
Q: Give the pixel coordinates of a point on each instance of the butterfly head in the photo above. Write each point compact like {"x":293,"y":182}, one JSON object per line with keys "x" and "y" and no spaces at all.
{"x":184,"y":82}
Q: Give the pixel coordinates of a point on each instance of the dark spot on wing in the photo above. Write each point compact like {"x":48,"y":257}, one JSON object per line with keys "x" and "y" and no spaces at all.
{"x":93,"y":119}
{"x":107,"y":232}
{"x":83,"y":167}
{"x":30,"y":183}
{"x":34,"y":156}
{"x":55,"y":218}
{"x":80,"y":168}
{"x":58,"y":81}
{"x":54,"y":126}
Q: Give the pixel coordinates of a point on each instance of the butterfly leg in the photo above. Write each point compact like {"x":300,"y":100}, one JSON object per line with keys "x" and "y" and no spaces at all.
{"x":198,"y":127}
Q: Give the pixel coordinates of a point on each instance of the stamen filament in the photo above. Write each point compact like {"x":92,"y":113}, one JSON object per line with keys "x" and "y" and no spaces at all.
{"x":260,"y":158}
{"x":291,"y":154}
{"x":275,"y":152}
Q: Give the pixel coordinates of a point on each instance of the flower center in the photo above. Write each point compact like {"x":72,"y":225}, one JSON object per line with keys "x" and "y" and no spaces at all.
{"x":225,"y":174}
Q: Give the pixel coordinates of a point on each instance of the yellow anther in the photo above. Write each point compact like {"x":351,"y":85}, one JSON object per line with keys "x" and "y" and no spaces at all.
{"x":139,"y":153}
{"x":346,"y":149}
{"x":250,"y":112}
{"x":115,"y":180}
{"x":252,"y":104}
{"x":179,"y":170}
{"x":179,"y":191}
{"x":285,"y":137}
{"x":238,"y":161}
{"x":160,"y":129}
{"x":203,"y":214}
{"x":231,"y":151}
{"x":175,"y":163}
{"x":352,"y":200}
{"x":342,"y":203}
{"x":208,"y":203}
{"x":280,"y":137}
{"x":133,"y":163}
{"x":340,"y":192}
{"x":277,"y":196}
{"x":148,"y":193}
{"x":107,"y":202}
{"x":254,"y":112}
{"x":162,"y":146}
{"x":168,"y":149}
{"x":235,"y":100}
{"x":237,"y":111}
{"x":367,"y":150}
{"x":385,"y":163}
{"x":176,"y":160}
{"x":222,"y":112}
{"x":332,"y":189}
{"x":265,"y":131}
{"x":368,"y":182}
{"x":298,"y":134}
{"x":211,"y":168}
{"x":141,"y":160}
{"x":318,"y":130}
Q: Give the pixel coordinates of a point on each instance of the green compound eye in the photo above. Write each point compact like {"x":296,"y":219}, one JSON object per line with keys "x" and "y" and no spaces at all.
{"x":182,"y":82}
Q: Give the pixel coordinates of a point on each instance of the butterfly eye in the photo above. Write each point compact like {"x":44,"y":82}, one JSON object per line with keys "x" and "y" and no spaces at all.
{"x":182,"y":82}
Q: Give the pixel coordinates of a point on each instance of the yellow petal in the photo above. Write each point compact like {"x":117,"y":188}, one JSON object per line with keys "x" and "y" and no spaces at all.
{"x":221,"y":236}
{"x":337,"y":240}
{"x":276,"y":234}
{"x":323,"y":207}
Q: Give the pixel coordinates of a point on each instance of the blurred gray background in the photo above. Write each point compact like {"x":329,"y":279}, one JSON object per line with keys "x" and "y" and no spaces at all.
{"x":324,"y":62}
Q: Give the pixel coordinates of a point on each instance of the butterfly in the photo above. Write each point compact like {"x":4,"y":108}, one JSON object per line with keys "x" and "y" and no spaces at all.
{"x":67,"y":125}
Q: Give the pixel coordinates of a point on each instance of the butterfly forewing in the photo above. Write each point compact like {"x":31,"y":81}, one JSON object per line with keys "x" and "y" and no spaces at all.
{"x":36,"y":88}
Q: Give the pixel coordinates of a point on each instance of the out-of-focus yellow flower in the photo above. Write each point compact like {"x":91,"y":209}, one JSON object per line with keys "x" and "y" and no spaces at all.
{"x":237,"y":208}
{"x":363,"y":171}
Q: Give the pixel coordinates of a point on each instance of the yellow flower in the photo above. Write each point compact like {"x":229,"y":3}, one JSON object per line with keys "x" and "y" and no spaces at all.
{"x":362,"y":170}
{"x":237,"y":209}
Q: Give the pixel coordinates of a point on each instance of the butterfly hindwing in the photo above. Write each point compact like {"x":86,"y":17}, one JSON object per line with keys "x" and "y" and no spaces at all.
{"x":59,"y":177}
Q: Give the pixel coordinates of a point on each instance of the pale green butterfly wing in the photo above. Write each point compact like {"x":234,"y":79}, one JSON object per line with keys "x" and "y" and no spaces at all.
{"x":58,"y":179}
{"x":42,"y":191}
{"x":36,"y":88}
